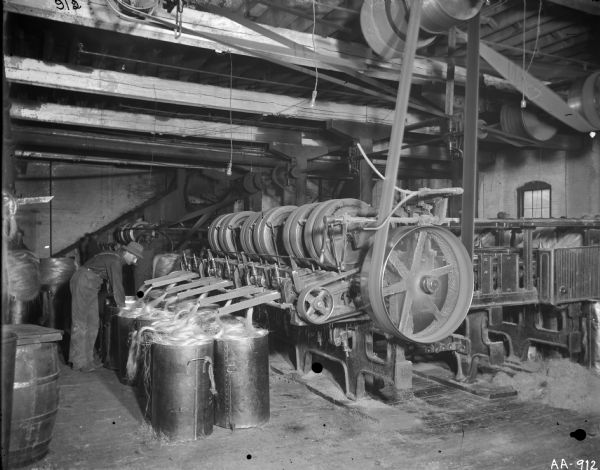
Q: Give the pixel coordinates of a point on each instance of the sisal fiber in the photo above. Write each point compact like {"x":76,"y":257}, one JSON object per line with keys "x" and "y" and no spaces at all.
{"x":23,"y":270}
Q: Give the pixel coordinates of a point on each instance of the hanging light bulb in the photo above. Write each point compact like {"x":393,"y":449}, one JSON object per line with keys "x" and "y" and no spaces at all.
{"x":592,"y":134}
{"x":313,"y":99}
{"x":228,"y":171}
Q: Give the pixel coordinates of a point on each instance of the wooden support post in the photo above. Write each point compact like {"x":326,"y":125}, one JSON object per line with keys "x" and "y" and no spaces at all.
{"x":456,"y":172}
{"x":365,"y":134}
{"x":8,"y":147}
{"x":302,"y":167}
{"x":300,"y":156}
{"x":469,"y":174}
{"x":255,"y":201}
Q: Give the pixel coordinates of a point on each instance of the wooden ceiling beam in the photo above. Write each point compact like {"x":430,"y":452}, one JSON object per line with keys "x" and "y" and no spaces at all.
{"x":218,"y":31}
{"x":581,"y":5}
{"x":104,"y":82}
{"x":565,"y":41}
{"x":548,"y":34}
{"x":140,"y":122}
{"x":296,"y":13}
{"x":509,"y":24}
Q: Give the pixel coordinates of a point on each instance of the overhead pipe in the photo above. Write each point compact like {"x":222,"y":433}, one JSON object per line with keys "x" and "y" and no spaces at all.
{"x":49,"y":156}
{"x":39,"y":139}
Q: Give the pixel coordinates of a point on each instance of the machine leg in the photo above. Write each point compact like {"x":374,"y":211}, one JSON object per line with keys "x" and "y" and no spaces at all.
{"x":402,"y":370}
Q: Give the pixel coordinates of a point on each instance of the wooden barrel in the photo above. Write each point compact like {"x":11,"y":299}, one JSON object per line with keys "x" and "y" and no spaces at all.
{"x":9,"y":350}
{"x":35,"y":393}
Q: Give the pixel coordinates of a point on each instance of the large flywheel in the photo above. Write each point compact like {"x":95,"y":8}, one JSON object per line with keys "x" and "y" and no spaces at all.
{"x":424,"y":289}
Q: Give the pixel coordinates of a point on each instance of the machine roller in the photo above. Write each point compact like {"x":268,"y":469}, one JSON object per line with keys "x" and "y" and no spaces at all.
{"x":319,"y":256}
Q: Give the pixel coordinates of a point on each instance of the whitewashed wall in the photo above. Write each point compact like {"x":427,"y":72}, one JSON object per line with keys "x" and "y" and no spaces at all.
{"x":574,"y":177}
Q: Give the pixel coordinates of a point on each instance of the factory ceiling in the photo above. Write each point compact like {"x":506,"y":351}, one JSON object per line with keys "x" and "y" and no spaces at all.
{"x":261,"y":81}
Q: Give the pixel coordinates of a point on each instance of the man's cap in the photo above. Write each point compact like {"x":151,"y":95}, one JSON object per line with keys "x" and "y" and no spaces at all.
{"x":135,"y":249}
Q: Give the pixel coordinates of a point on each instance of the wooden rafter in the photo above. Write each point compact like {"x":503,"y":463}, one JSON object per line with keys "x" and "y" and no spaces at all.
{"x":59,"y":114}
{"x":110,"y":83}
{"x":95,"y":14}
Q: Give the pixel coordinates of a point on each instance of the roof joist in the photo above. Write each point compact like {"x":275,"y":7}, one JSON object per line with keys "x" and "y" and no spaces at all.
{"x":110,"y":83}
{"x":215,"y":32}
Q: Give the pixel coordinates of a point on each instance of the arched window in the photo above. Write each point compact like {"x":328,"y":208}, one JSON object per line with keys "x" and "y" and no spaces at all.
{"x":534,"y":200}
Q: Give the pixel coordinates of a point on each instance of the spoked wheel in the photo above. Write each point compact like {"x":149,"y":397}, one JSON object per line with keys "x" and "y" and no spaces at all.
{"x":315,"y":305}
{"x":425,"y":288}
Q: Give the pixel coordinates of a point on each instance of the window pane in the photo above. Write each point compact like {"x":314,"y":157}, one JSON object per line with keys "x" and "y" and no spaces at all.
{"x":546,"y":198}
{"x":536,"y":203}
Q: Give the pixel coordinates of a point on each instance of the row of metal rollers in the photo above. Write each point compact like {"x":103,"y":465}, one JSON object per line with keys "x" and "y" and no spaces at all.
{"x":282,"y":232}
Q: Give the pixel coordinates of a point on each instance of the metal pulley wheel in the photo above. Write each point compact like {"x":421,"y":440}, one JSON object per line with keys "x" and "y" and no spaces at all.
{"x":520,"y":122}
{"x":229,"y":235}
{"x":213,"y":232}
{"x":584,"y":97}
{"x":118,"y":237}
{"x":318,"y":237}
{"x":248,"y":183}
{"x":438,"y":16}
{"x":293,"y":239}
{"x":424,"y":289}
{"x":252,"y":182}
{"x":384,"y":24}
{"x":246,"y":234}
{"x":223,"y":223}
{"x":315,"y":305}
{"x":268,"y":232}
{"x":279,"y":176}
{"x":308,"y":230}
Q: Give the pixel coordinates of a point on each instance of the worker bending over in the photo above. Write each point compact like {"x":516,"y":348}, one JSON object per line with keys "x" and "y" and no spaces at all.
{"x":85,"y":285}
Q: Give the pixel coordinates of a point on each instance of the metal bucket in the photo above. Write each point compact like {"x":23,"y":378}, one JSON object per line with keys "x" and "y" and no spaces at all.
{"x":56,"y":306}
{"x":182,"y":402}
{"x":35,"y":393}
{"x":109,"y":344}
{"x":9,"y":350}
{"x":242,"y":379}
{"x":127,"y":326}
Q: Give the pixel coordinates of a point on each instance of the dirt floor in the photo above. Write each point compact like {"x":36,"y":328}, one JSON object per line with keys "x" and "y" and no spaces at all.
{"x":313,"y":426}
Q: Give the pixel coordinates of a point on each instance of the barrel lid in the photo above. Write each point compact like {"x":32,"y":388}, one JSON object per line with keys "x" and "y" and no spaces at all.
{"x":30,"y":334}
